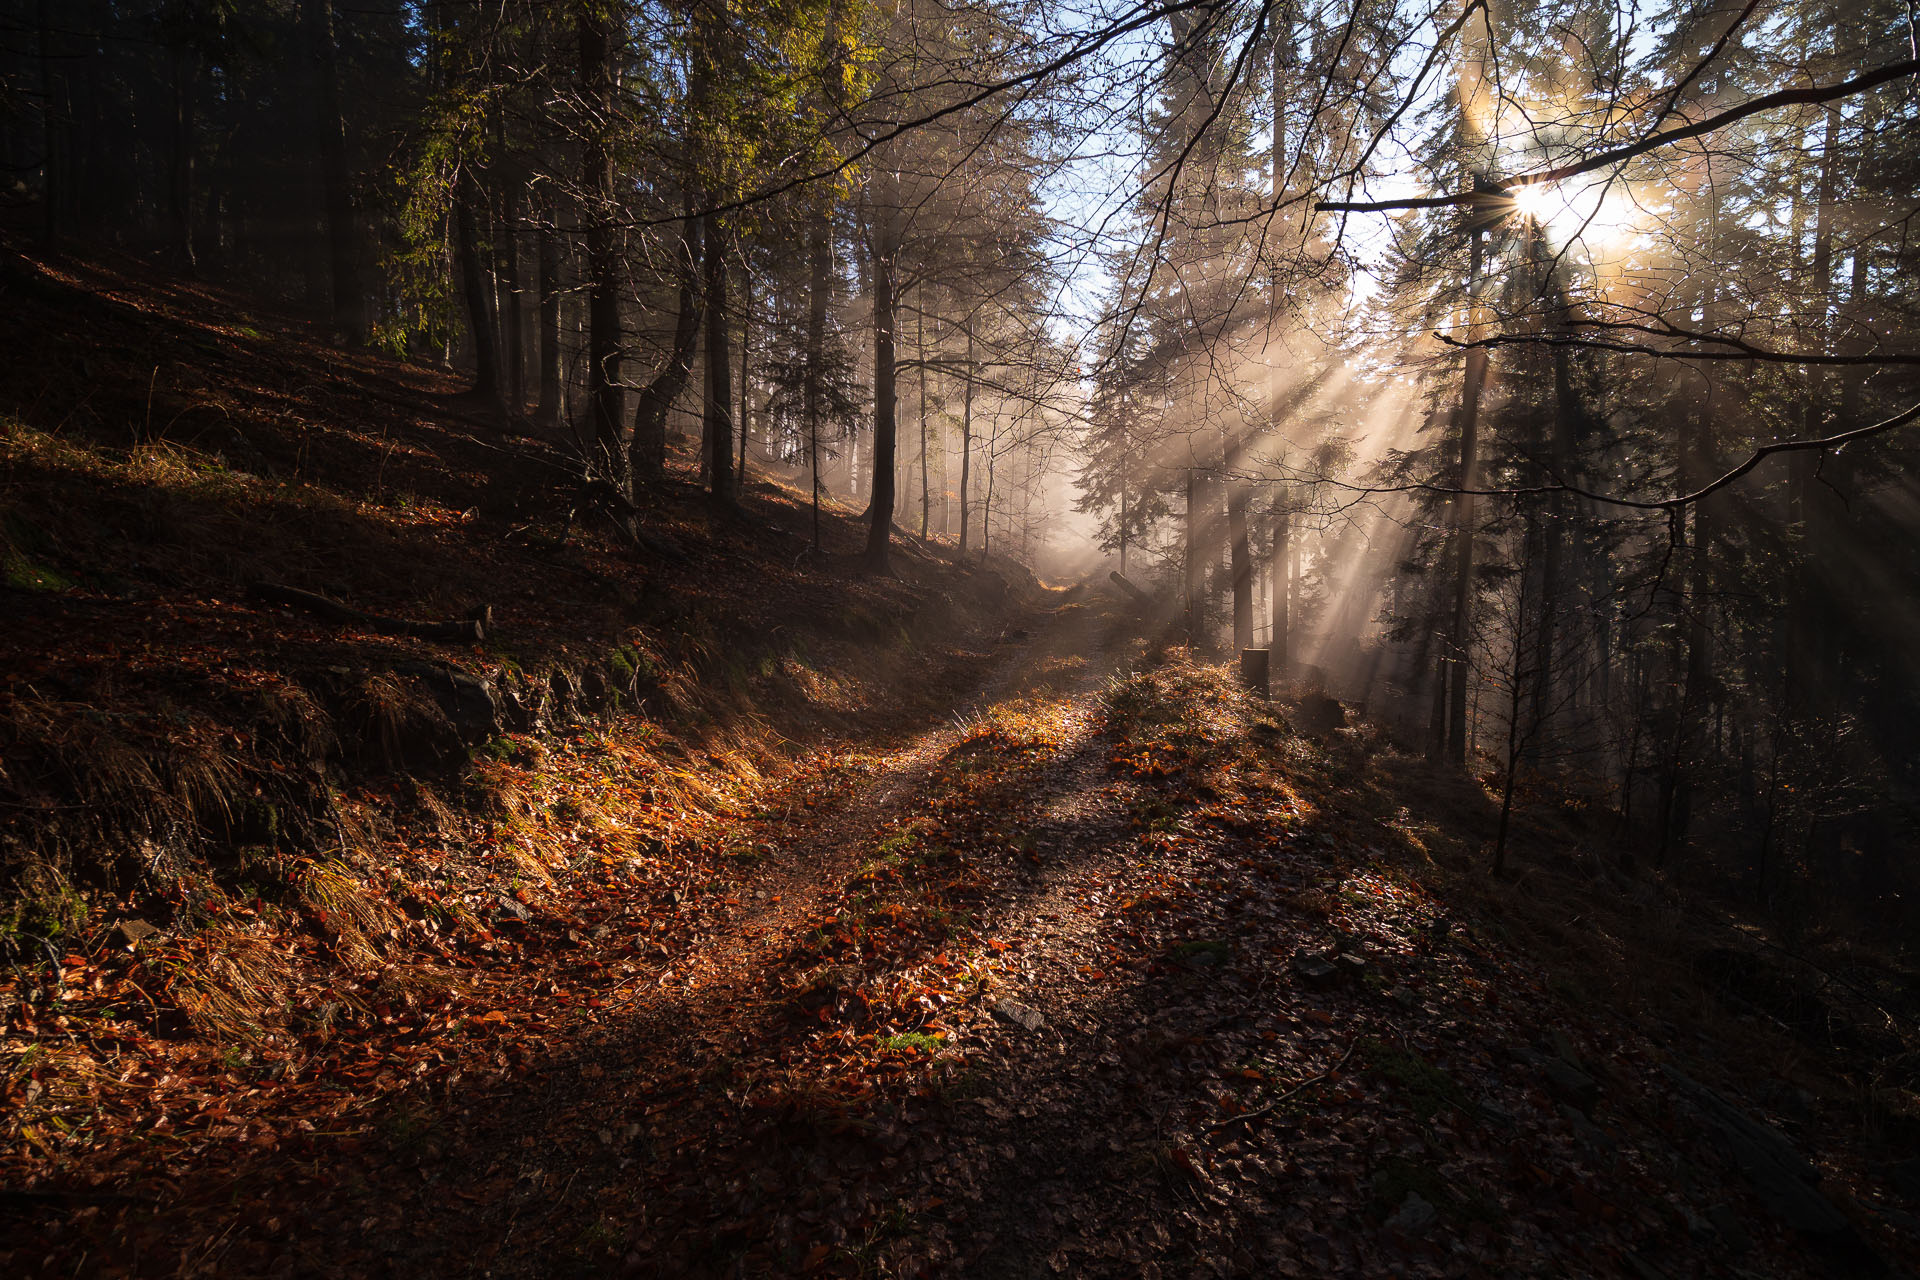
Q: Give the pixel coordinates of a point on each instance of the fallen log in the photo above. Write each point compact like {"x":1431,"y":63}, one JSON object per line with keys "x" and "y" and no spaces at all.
{"x":463,"y":631}
{"x":1134,"y":593}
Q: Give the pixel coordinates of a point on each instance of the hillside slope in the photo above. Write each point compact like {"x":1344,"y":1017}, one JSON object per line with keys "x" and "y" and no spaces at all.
{"x":719,"y":911}
{"x":271,"y":800}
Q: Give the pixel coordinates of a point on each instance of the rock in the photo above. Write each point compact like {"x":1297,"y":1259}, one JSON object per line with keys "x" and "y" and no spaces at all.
{"x":1790,"y":1103}
{"x":1906,"y":1178}
{"x":563,"y":705}
{"x":1018,"y":1015}
{"x":1492,"y":1112}
{"x":596,"y":691}
{"x":1782,"y":1178}
{"x":511,"y":909}
{"x":468,"y":701}
{"x":1643,"y":1269}
{"x":136,"y":931}
{"x":1414,"y":1215}
{"x":1321,"y":715}
{"x":1571,"y":1085}
{"x":519,"y":706}
{"x":1585,"y":1130}
{"x":1315,"y":970}
{"x":1351,"y":965}
{"x":1732,"y":1232}
{"x":1557,"y":1040}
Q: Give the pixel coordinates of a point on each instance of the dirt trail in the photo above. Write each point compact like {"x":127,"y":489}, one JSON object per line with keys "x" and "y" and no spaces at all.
{"x":815,"y":851}
{"x":994,"y":1011}
{"x":485,"y":1181}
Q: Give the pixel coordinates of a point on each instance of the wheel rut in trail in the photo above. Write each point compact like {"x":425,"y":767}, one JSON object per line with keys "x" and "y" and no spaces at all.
{"x":820,"y":850}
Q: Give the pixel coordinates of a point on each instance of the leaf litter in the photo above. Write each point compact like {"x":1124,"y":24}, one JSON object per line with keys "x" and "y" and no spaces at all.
{"x":1024,"y":995}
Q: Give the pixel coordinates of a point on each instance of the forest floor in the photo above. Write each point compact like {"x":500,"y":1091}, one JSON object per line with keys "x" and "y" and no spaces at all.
{"x":978,"y":934}
{"x":1115,"y":972}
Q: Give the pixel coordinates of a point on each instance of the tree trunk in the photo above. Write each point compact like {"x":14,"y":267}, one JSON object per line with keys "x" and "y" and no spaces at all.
{"x":548,"y":242}
{"x":1194,"y":587}
{"x":349,"y":309}
{"x":604,"y":400}
{"x":186,"y":78}
{"x":746,"y":375}
{"x":52,"y":135}
{"x":820,"y":285}
{"x":649,"y":448}
{"x":880,"y":513}
{"x":1460,"y":632}
{"x":966,"y":440}
{"x":1280,"y":591}
{"x":473,"y":280}
{"x":1240,"y":556}
{"x":1699,"y":449}
{"x":1803,"y":606}
{"x":718,"y":417}
{"x":513,"y":337}
{"x":1557,"y":508}
{"x":920,"y":353}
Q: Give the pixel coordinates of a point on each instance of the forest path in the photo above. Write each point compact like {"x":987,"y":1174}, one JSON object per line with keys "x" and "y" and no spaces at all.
{"x":491,"y":1177}
{"x":1047,"y":989}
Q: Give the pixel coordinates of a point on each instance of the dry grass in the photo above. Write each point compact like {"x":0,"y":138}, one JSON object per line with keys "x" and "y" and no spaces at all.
{"x":359,"y":922}
{"x":203,"y":780}
{"x":233,"y":986}
{"x":386,"y":711}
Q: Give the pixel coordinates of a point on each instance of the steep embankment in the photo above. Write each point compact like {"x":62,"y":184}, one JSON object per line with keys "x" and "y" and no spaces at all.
{"x":243,"y":828}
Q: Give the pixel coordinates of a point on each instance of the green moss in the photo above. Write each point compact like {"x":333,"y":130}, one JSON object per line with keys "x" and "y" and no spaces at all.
{"x":23,"y":574}
{"x":1202,"y":951}
{"x":44,"y":905}
{"x":909,"y":1042}
{"x":256,"y":821}
{"x":620,"y":663}
{"x":1428,"y":1089}
{"x":1397,"y":1176}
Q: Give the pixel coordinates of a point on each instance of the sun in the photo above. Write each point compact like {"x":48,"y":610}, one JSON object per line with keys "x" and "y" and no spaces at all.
{"x":1586,"y":211}
{"x":1536,"y":202}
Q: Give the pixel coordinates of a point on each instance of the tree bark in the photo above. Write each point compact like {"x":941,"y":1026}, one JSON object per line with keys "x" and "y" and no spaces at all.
{"x":604,"y":399}
{"x":649,"y":449}
{"x":717,"y":419}
{"x":186,"y":78}
{"x":1240,"y":556}
{"x":473,"y":280}
{"x":1461,"y":627}
{"x":52,"y":135}
{"x":746,"y":374}
{"x":1280,"y":590}
{"x":920,"y":352}
{"x":881,"y":277}
{"x":820,"y":286}
{"x":548,"y":248}
{"x":1194,"y":596}
{"x":513,"y":337}
{"x":349,"y":304}
{"x":966,"y":440}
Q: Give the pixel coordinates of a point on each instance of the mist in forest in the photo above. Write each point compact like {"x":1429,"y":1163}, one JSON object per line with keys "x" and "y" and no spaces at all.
{"x":1535,"y":379}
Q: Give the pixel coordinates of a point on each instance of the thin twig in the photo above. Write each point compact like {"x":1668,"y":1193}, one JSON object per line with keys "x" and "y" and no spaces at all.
{"x":1248,"y":1116}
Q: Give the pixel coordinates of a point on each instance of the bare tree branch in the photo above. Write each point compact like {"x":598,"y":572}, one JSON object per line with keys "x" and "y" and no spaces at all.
{"x":1503,"y":192}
